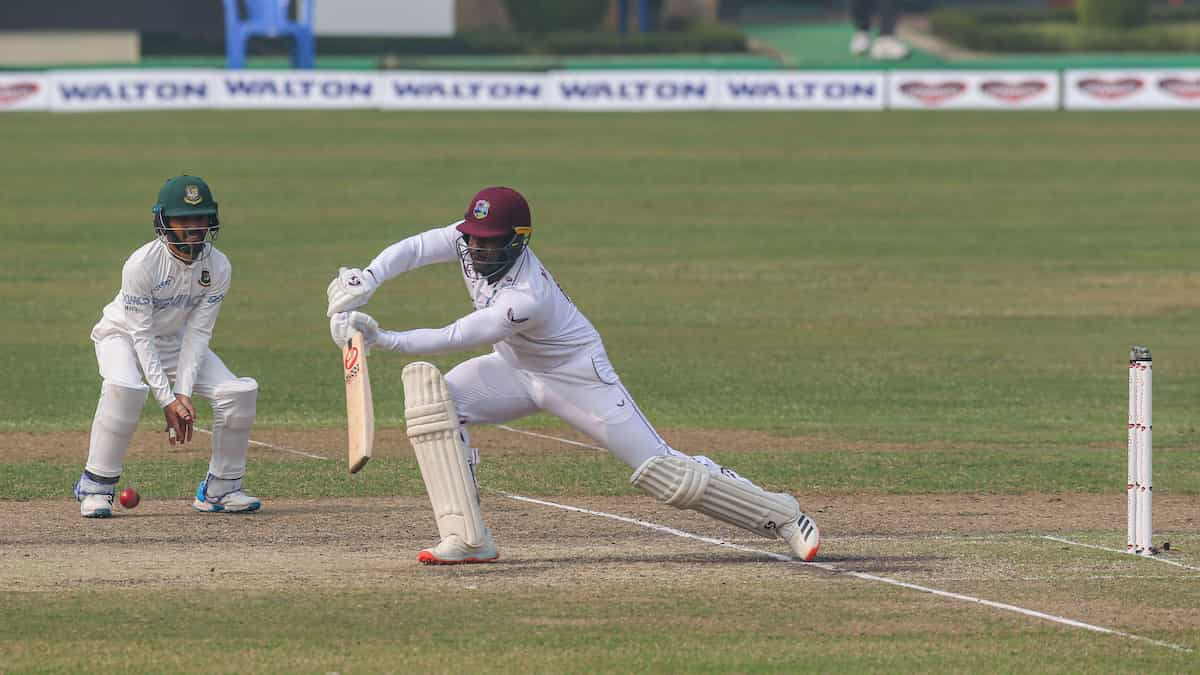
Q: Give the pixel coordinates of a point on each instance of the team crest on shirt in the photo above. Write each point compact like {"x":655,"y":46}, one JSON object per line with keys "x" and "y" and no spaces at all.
{"x":481,"y":209}
{"x":191,"y":195}
{"x":205,"y":279}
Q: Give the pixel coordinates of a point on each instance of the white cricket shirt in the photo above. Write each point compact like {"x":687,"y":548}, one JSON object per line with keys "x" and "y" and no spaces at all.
{"x":164,"y":299}
{"x":525,"y":316}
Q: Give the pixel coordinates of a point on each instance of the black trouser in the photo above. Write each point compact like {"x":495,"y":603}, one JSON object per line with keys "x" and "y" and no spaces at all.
{"x":861,"y":11}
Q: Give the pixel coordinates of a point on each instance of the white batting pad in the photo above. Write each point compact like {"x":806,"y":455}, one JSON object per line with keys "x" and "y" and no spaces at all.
{"x":433,"y":429}
{"x":116,"y":419}
{"x":234,"y":406}
{"x":687,"y":484}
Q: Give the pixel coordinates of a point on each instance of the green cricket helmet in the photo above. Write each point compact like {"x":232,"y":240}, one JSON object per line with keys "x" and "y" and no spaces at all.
{"x":185,"y":196}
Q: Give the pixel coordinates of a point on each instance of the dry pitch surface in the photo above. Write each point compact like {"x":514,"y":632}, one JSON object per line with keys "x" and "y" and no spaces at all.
{"x":982,"y":546}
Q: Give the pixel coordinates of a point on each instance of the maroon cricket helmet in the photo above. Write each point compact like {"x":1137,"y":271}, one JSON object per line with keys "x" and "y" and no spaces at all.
{"x":496,"y":212}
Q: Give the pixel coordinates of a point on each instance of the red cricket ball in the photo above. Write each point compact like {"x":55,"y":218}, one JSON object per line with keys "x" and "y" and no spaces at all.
{"x":130,"y":498}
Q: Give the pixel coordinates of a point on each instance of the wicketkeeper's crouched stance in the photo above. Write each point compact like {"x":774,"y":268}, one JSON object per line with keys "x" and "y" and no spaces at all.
{"x":547,"y":357}
{"x":157,"y":330}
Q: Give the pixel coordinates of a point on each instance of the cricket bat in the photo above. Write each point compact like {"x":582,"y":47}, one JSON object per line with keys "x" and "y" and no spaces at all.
{"x":360,"y":412}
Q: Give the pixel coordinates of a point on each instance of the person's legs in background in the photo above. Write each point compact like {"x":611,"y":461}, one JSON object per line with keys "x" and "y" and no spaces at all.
{"x":860,"y":14}
{"x":888,"y":47}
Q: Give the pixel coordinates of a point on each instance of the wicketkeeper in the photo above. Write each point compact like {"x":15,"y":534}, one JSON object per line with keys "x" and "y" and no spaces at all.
{"x":546,"y":357}
{"x":156,"y":332}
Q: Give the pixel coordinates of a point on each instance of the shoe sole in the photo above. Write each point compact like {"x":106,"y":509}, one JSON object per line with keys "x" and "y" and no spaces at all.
{"x":426,"y":558}
{"x":205,"y":507}
{"x":99,"y":513}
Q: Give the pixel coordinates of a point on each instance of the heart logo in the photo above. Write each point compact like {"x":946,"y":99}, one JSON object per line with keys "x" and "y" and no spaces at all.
{"x":1181,"y":88}
{"x":933,"y":94}
{"x":1013,"y":92}
{"x":351,"y":358}
{"x":1109,"y":89}
{"x":11,"y":93}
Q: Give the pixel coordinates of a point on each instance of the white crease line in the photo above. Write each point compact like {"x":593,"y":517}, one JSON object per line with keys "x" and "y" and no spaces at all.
{"x":552,"y":438}
{"x":783,"y":558}
{"x":1117,"y":550}
{"x":276,"y":447}
{"x":860,"y":575}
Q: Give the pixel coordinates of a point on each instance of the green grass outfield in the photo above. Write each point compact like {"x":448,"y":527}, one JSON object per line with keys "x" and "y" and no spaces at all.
{"x":889,"y":277}
{"x":966,"y":285}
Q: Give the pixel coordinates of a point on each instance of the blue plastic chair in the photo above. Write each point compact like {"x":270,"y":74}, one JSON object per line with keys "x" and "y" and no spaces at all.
{"x":643,"y":16}
{"x":269,"y":18}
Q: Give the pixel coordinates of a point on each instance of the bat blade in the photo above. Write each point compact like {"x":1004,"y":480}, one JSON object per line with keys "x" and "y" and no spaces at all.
{"x":360,"y":411}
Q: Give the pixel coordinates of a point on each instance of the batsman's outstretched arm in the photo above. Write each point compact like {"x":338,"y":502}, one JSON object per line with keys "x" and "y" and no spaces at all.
{"x":515,"y":313}
{"x":353,"y":287}
{"x":427,"y":248}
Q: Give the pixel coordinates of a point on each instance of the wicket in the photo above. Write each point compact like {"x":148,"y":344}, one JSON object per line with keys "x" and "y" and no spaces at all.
{"x":1139,"y":485}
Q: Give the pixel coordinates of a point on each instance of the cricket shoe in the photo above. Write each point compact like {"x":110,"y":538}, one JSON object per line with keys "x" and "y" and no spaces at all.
{"x":860,"y":43}
{"x":888,"y":48}
{"x":96,"y":506}
{"x":454,"y":551}
{"x":229,"y":497}
{"x":95,"y":498}
{"x":803,"y":536}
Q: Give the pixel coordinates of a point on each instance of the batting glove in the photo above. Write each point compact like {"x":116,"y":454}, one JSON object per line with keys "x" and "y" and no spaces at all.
{"x":339,"y":328}
{"x":350,"y":289}
{"x":365,"y":324}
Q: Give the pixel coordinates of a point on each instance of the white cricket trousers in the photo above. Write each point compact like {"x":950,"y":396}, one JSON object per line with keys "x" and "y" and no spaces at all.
{"x":585,"y":393}
{"x":119,"y":365}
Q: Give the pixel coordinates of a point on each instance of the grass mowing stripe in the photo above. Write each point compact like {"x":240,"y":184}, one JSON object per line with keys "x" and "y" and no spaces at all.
{"x":855,"y":276}
{"x":618,"y":628}
{"x":858,"y":575}
{"x":828,"y":472}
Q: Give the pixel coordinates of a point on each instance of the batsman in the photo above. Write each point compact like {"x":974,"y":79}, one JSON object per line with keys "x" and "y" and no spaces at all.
{"x":153,"y":338}
{"x":546,"y":356}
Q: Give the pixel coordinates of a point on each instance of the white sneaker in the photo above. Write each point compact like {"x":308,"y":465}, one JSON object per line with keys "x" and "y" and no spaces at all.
{"x":96,"y":506}
{"x":453,"y":551}
{"x":888,"y":48}
{"x":860,"y":43}
{"x":234,"y":501}
{"x":803,"y":536}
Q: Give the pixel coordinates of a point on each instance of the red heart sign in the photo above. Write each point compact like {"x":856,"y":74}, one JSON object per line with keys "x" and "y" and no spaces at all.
{"x":1110,"y":89}
{"x":351,"y":358}
{"x":1013,"y":92}
{"x":1177,"y":86}
{"x":10,"y":93}
{"x":933,"y":94}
